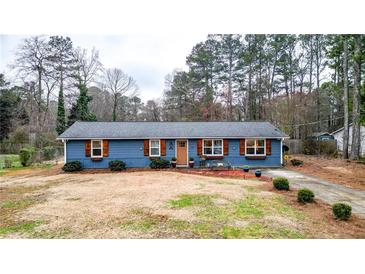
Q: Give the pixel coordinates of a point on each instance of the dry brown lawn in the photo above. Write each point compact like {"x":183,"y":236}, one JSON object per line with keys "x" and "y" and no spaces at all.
{"x":158,"y":204}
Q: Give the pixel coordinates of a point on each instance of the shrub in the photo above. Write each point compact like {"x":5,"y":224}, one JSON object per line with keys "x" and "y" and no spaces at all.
{"x":48,"y":152}
{"x":27,"y":156}
{"x":191,"y":159}
{"x":8,"y":163}
{"x":296,"y":162}
{"x":72,"y":166}
{"x":281,"y":183}
{"x":342,"y":211}
{"x":173,"y":159}
{"x":305,"y":196}
{"x":159,"y":163}
{"x":116,"y":165}
{"x":314,"y":147}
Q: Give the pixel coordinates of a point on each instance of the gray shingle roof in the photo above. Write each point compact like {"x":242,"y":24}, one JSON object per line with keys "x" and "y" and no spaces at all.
{"x":142,"y":130}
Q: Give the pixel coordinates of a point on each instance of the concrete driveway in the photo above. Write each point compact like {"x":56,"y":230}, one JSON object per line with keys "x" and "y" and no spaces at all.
{"x":325,"y":190}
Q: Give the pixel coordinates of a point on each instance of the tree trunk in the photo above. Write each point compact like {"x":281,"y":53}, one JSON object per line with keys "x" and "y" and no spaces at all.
{"x":310,"y":64}
{"x":345,"y":142}
{"x":318,"y":52}
{"x":355,"y":146}
{"x":115,"y":107}
{"x":230,"y":107}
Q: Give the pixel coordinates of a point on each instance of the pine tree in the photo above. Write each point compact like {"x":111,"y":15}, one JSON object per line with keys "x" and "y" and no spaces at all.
{"x":80,"y":110}
{"x":61,"y":115}
{"x":355,"y":146}
{"x":62,"y":61}
{"x":345,"y":98}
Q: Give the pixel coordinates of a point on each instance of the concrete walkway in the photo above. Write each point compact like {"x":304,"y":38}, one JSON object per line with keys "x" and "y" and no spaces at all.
{"x":325,"y":190}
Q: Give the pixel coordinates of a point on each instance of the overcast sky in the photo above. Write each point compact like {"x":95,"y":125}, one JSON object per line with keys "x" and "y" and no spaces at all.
{"x":147,"y":58}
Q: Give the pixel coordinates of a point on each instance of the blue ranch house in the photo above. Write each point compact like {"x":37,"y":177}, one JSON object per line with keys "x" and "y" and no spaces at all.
{"x":94,"y":144}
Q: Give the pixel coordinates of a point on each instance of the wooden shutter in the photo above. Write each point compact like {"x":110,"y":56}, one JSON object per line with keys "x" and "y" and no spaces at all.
{"x":225,"y":146}
{"x":242,"y":146}
{"x":163,"y":147}
{"x":105,"y":148}
{"x":146,"y":146}
{"x":88,"y":148}
{"x":199,"y":144}
{"x":268,"y":146}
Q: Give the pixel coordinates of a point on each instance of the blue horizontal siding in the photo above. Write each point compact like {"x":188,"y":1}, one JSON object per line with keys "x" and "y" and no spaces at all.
{"x":132,"y":153}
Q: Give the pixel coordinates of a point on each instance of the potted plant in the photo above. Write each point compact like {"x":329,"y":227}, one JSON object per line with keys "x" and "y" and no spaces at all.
{"x":173,"y":162}
{"x":191,"y":162}
{"x":258,"y":173}
{"x":246,"y":168}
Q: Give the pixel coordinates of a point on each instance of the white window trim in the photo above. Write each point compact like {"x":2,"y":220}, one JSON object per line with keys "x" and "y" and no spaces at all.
{"x":203,"y":146}
{"x":247,"y":154}
{"x":159,"y":148}
{"x":92,"y":149}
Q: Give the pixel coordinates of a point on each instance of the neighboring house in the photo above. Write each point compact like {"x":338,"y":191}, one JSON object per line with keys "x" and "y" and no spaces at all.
{"x":94,"y":144}
{"x":320,"y":136}
{"x":338,"y":135}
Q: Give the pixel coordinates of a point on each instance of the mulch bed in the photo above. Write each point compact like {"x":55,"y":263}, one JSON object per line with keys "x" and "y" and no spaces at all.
{"x":236,"y":173}
{"x":233,"y":174}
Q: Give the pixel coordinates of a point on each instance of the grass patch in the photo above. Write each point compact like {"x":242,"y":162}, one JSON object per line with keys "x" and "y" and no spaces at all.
{"x":140,"y":225}
{"x":142,"y":221}
{"x":176,"y":224}
{"x":257,"y":230}
{"x":252,"y":189}
{"x":215,"y":221}
{"x":26,"y":227}
{"x":186,"y":200}
{"x":17,"y":204}
{"x":51,"y":234}
{"x":205,"y":230}
{"x":5,"y":171}
{"x":250,"y":207}
{"x":14,"y":158}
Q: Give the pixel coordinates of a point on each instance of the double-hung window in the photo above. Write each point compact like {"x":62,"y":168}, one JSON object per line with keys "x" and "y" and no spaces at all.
{"x":96,"y":148}
{"x":255,"y":147}
{"x":155,"y":148}
{"x":213,"y":147}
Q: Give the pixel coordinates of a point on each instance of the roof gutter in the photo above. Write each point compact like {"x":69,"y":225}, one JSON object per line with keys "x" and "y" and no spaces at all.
{"x":161,"y":137}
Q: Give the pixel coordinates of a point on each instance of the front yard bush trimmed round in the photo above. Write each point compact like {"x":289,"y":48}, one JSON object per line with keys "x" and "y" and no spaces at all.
{"x":305,"y":196}
{"x":72,"y":166}
{"x":159,"y":163}
{"x":342,"y":211}
{"x":281,"y":183}
{"x":116,"y":165}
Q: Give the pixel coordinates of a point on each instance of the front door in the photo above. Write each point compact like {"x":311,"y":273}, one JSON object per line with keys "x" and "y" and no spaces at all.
{"x":181,"y":153}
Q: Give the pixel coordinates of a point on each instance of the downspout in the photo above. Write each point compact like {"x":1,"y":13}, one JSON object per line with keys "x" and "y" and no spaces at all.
{"x":281,"y":151}
{"x":64,"y":150}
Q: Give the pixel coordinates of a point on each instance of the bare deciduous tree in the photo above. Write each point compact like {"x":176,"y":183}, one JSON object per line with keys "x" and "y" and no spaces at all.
{"x":31,"y":63}
{"x":88,"y":66}
{"x":118,"y":84}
